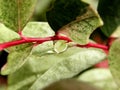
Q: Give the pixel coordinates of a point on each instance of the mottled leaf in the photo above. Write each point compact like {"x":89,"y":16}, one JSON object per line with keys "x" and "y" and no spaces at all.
{"x":114,"y":60}
{"x":41,"y":59}
{"x":41,"y":65}
{"x":35,"y":30}
{"x":7,"y":34}
{"x":70,"y":66}
{"x":101,"y":78}
{"x":16,"y":59}
{"x":21,"y":53}
{"x":18,"y":54}
{"x":60,"y":46}
{"x":38,"y":29}
{"x":76,"y":19}
{"x":80,"y":30}
{"x":15,"y":13}
{"x":109,"y":10}
{"x":63,"y":12}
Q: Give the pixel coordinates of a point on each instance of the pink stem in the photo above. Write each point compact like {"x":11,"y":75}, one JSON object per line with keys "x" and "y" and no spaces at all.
{"x":104,"y":47}
{"x":21,"y":41}
{"x":33,"y":40}
{"x":41,"y":40}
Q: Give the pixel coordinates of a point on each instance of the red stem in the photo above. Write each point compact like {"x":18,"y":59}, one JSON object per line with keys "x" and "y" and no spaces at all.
{"x":41,"y":40}
{"x":33,"y":40}
{"x":21,"y":41}
{"x":104,"y":47}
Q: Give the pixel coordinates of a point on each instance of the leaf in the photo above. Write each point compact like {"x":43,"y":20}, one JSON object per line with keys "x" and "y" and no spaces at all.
{"x":80,"y":30}
{"x":16,"y":13}
{"x":109,"y":10}
{"x":7,"y":34}
{"x":40,"y":60}
{"x":39,"y":64}
{"x":19,"y":54}
{"x":76,"y":19}
{"x":16,"y":59}
{"x":114,"y":60}
{"x":60,"y":46}
{"x":69,"y":66}
{"x":42,"y":49}
{"x":22,"y":53}
{"x":58,"y":17}
{"x":101,"y":78}
{"x":38,"y":29}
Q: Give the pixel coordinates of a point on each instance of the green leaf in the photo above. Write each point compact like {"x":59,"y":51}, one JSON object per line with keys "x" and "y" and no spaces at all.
{"x":101,"y":78}
{"x":25,"y":53}
{"x":80,"y":30}
{"x":58,"y":17}
{"x":41,"y":29}
{"x":69,"y":66}
{"x":16,"y":59}
{"x":19,"y":54}
{"x":16,"y":13}
{"x":7,"y":34}
{"x":38,"y":29}
{"x":41,"y":65}
{"x":114,"y":60}
{"x":109,"y":10}
{"x":60,"y":46}
{"x":42,"y":49}
{"x":41,"y":59}
{"x":76,"y":18}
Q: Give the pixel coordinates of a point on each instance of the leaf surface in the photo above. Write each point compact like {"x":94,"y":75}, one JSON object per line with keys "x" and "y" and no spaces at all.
{"x":22,"y":53}
{"x":35,"y":30}
{"x":80,"y":31}
{"x":16,"y":59}
{"x":109,"y":10}
{"x":41,"y":59}
{"x":69,"y":66}
{"x":58,"y":17}
{"x":16,"y":13}
{"x":76,"y":19}
{"x":7,"y":34}
{"x":45,"y":68}
{"x":38,"y":29}
{"x":99,"y":77}
{"x":18,"y":54}
{"x":114,"y":60}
